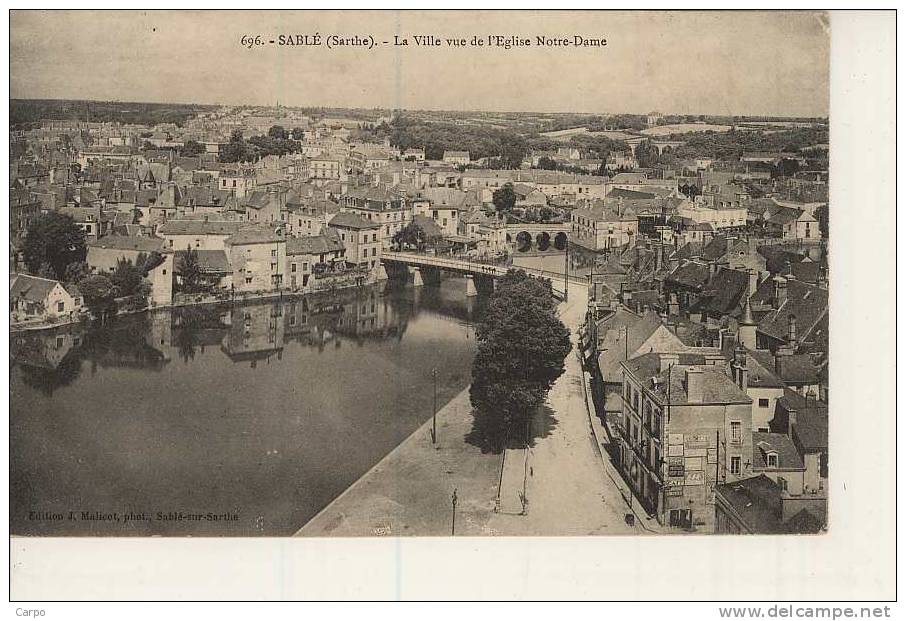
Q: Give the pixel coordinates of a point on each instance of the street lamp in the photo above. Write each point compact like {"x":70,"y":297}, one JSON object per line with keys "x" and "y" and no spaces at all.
{"x":434,"y":416}
{"x":453,"y":524}
{"x":566,"y":271}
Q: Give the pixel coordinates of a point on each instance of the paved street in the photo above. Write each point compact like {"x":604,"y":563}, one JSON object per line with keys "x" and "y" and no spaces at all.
{"x":567,"y":489}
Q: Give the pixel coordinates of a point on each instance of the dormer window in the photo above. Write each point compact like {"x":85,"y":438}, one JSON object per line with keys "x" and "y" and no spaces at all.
{"x":772,"y":460}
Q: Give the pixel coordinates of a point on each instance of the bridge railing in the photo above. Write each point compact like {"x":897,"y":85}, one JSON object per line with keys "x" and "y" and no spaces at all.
{"x":477,"y":268}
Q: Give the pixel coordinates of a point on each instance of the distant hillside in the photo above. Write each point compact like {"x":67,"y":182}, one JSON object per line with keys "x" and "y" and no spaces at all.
{"x":28,"y":111}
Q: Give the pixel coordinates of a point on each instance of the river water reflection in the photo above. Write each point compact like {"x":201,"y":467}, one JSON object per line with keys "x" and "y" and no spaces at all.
{"x":256,"y":415}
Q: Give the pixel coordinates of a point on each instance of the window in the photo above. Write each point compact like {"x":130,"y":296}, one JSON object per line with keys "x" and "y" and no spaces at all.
{"x":772,"y":460}
{"x":60,"y":307}
{"x":248,"y":280}
{"x":294,"y":267}
{"x":736,"y":432}
{"x":734,"y":465}
{"x":782,"y":483}
{"x":273,"y":253}
{"x":762,"y":403}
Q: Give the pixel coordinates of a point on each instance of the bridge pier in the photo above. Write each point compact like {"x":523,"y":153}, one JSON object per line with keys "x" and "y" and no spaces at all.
{"x":416,"y":277}
{"x":471,"y":290}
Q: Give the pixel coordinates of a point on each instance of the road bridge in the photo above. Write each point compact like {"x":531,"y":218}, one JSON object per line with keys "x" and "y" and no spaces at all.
{"x":471,"y":270}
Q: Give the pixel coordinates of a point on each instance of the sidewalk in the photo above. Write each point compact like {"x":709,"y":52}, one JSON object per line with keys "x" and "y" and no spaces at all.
{"x":409,"y":491}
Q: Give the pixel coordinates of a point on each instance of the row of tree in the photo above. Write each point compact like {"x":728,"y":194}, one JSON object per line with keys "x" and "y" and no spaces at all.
{"x":278,"y":141}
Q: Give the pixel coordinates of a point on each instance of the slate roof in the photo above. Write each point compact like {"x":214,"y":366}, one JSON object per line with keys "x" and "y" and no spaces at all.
{"x":723,"y":292}
{"x":211,"y":261}
{"x":32,"y":288}
{"x":717,"y":387}
{"x":757,"y":502}
{"x":807,"y":303}
{"x":314,"y":245}
{"x":200,"y":227}
{"x":630,"y":194}
{"x":126,"y":242}
{"x":761,"y":373}
{"x":691,"y":275}
{"x":811,"y":420}
{"x":253,"y":235}
{"x":348,"y":220}
{"x":788,"y":458}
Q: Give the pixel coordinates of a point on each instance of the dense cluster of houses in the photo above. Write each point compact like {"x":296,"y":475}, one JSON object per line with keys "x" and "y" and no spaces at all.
{"x":708,"y":346}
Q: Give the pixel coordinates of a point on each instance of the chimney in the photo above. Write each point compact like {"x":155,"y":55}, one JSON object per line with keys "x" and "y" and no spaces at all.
{"x":791,"y":420}
{"x":673,"y":305}
{"x":694,"y":385}
{"x":753,"y":283}
{"x":779,"y":354}
{"x":740,"y":369}
{"x":667,"y":360}
{"x":779,"y":292}
{"x":791,"y":333}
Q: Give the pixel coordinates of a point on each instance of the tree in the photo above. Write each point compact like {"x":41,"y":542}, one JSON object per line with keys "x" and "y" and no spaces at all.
{"x":411,"y":235}
{"x":76,"y":272}
{"x":191,"y":148}
{"x":602,"y":169}
{"x":126,"y":277}
{"x":189,"y":271}
{"x":785,"y":168}
{"x":277,"y":133}
{"x":546,"y":163}
{"x":821,"y":214}
{"x":504,"y":198}
{"x":521,"y":349}
{"x":99,"y":294}
{"x":236,"y":150}
{"x":646,"y":154}
{"x":297,"y":133}
{"x":54,"y":240}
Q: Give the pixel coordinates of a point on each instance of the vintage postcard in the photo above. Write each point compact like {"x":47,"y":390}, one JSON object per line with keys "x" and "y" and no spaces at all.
{"x":409,"y":273}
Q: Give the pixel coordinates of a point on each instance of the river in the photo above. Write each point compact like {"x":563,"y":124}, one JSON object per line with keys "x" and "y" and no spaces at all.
{"x":225,"y":421}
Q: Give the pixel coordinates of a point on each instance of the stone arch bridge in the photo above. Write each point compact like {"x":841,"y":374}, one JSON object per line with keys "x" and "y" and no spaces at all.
{"x":539,"y":237}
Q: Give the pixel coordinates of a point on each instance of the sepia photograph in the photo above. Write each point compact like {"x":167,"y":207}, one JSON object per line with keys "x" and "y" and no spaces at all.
{"x":371,"y":274}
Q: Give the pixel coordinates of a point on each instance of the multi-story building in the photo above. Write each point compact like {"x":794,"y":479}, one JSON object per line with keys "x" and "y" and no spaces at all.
{"x":604,"y":224}
{"x":258,"y":258}
{"x":687,"y":427}
{"x":361,"y":238}
{"x":321,"y":167}
{"x":388,"y":210}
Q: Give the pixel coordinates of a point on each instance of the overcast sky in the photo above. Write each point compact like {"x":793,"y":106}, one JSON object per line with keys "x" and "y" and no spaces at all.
{"x":743,"y":63}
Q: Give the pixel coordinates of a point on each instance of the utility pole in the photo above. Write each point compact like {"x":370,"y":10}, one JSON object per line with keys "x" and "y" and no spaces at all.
{"x":434,"y":416}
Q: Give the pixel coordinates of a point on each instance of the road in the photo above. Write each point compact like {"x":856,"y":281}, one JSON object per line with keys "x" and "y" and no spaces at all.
{"x":568,"y":491}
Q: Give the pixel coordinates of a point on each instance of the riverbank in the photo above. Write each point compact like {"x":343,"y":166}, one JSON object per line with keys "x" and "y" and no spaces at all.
{"x":409,"y":492}
{"x":189,"y":301}
{"x":567,"y":486}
